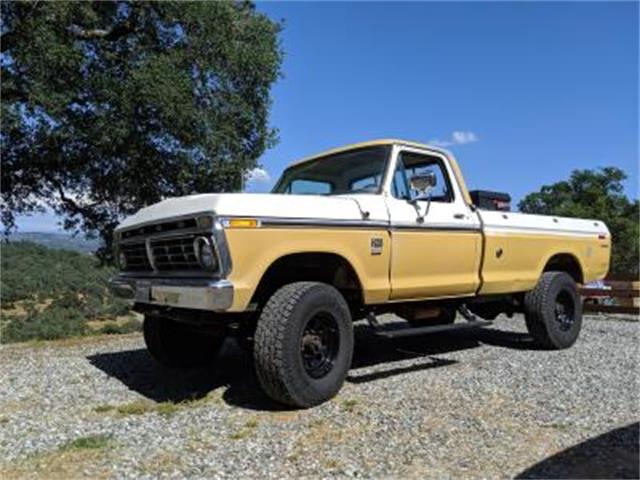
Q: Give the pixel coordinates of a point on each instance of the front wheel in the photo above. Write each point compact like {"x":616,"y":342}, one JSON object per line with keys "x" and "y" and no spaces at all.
{"x":303,"y":344}
{"x":553,"y":311}
{"x":177,"y":345}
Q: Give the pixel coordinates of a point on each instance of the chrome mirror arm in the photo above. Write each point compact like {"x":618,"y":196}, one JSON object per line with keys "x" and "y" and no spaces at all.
{"x":423,"y":184}
{"x":424,"y":195}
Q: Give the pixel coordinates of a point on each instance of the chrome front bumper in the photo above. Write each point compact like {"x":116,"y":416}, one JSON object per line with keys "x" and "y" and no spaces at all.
{"x":199,"y":294}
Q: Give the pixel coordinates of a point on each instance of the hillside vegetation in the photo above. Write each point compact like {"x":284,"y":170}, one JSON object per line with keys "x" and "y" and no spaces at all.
{"x":51,"y":293}
{"x":63,"y":240}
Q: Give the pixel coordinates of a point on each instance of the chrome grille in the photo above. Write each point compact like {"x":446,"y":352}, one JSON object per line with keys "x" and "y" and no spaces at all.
{"x":136,"y":256}
{"x":167,"y":248}
{"x":174,"y":254}
{"x":160,"y":228}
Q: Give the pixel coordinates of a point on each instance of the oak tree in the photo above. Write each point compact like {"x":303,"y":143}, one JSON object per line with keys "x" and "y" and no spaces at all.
{"x":109,"y":106}
{"x":597,"y":194}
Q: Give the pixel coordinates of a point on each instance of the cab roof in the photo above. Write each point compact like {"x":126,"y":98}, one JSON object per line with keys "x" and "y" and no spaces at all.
{"x":369,"y":143}
{"x":395,"y":141}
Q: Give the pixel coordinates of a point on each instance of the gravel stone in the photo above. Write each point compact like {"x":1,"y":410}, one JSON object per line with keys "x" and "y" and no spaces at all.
{"x":475,"y":404}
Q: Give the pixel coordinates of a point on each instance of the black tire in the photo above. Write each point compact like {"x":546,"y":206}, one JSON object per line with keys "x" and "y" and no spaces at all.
{"x":303,"y":344}
{"x":446,"y":316}
{"x":553,"y":311}
{"x":176,"y":345}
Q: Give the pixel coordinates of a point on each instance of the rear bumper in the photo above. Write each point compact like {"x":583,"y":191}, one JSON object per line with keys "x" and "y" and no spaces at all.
{"x":199,"y":294}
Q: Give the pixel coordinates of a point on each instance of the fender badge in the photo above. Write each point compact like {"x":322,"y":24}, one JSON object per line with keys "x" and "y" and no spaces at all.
{"x":376,"y":246}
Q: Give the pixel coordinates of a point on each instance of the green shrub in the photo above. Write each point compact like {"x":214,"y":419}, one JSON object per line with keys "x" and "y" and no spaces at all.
{"x":130,"y":326}
{"x":59,"y":290}
{"x":90,"y":442}
{"x":34,"y":271}
{"x":50,"y":324}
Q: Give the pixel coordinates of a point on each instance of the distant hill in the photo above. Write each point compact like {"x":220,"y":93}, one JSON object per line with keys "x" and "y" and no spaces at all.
{"x":49,"y":293}
{"x":62,"y":241}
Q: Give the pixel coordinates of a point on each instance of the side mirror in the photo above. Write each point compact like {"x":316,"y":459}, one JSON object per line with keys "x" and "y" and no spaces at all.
{"x":423,"y":183}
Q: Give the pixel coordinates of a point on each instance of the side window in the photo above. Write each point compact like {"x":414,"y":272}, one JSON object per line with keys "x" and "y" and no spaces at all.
{"x":308,"y":187}
{"x":366,"y":184}
{"x":410,"y":164}
{"x":400,"y":185}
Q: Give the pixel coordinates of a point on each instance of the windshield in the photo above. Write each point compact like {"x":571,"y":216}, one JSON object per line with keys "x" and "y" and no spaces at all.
{"x":353,"y":171}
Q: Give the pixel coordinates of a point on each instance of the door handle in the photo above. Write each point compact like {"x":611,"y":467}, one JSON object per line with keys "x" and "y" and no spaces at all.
{"x":458,"y":216}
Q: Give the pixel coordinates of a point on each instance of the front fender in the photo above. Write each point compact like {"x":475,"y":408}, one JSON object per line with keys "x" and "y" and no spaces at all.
{"x":253,"y":251}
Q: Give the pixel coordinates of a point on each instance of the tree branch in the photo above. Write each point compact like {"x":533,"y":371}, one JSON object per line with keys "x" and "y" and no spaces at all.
{"x":71,"y":204}
{"x":83,"y":34}
{"x":100,"y":33}
{"x":113,"y":33}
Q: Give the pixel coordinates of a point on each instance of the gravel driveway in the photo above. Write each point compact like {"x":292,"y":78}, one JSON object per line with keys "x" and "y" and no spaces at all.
{"x":472,"y":404}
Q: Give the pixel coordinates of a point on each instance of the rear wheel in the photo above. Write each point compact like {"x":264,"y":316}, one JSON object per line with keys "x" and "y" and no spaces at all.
{"x":553,"y":311}
{"x":303,"y":344}
{"x":177,"y":345}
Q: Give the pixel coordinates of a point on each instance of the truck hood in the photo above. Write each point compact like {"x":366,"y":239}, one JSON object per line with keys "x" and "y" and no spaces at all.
{"x":253,"y":205}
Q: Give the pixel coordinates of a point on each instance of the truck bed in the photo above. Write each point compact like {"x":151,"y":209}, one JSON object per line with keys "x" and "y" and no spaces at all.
{"x":517,"y":247}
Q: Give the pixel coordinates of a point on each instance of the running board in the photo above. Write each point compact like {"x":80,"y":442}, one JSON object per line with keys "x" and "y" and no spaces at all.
{"x":409,"y":332}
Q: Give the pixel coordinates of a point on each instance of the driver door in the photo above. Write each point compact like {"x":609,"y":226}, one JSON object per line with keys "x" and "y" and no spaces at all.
{"x":436,"y":243}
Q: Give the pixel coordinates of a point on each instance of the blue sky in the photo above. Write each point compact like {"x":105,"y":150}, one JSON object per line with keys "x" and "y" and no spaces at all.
{"x":523,"y":93}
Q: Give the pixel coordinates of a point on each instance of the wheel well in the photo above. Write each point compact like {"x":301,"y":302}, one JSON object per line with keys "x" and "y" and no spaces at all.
{"x":319,"y":267}
{"x":565,"y":262}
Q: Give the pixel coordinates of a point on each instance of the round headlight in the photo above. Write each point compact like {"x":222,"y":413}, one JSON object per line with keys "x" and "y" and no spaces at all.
{"x":206,"y":254}
{"x":205,"y":222}
{"x":122,"y":261}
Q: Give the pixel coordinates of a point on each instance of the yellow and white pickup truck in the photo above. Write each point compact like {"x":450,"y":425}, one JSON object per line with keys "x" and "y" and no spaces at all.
{"x":376,"y":227}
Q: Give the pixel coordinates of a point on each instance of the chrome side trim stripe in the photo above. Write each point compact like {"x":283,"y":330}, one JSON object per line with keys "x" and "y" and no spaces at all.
{"x":436,"y":228}
{"x":381,"y":224}
{"x":266,"y":222}
{"x":498,"y":229}
{"x":312,"y":222}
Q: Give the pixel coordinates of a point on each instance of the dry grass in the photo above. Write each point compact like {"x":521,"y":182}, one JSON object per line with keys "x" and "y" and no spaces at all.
{"x":322,"y":432}
{"x":116,"y":322}
{"x":78,"y":458}
{"x":349,"y":405}
{"x":19,"y":307}
{"x":139,"y":407}
{"x":68,"y":342}
{"x":142,"y":407}
{"x":245,"y":431}
{"x":332,"y":464}
{"x":91,"y":442}
{"x":160,"y":463}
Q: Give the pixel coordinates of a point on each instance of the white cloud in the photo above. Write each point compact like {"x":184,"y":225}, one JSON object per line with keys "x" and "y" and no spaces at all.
{"x":258,"y":175}
{"x":461,"y":138}
{"x":458,"y":137}
{"x":257,"y":180}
